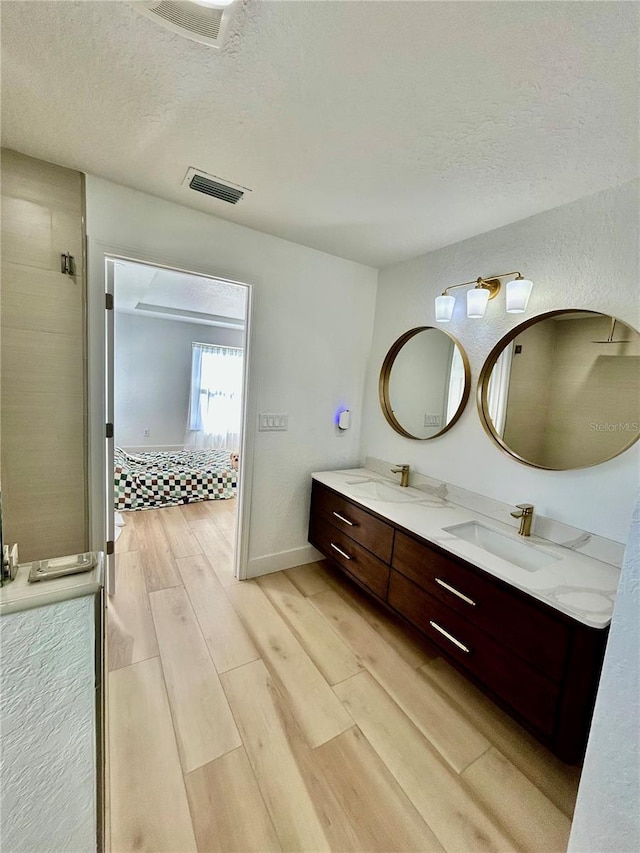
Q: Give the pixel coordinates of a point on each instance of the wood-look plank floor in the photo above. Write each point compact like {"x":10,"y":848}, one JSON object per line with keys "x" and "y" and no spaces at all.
{"x":294,"y":714}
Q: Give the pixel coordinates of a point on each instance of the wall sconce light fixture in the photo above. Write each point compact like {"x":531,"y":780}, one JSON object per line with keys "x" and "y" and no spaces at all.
{"x":518,"y":293}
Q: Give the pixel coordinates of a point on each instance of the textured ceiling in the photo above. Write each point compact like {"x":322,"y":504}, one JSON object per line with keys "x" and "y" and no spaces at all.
{"x":141,"y":289}
{"x":371,"y":130}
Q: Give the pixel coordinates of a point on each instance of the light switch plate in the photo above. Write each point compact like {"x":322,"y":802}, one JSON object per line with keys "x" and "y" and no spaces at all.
{"x":268,"y":422}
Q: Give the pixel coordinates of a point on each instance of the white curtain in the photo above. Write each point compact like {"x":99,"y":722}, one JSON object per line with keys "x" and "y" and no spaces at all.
{"x":498,"y":391}
{"x":457,"y":380}
{"x":215,"y":405}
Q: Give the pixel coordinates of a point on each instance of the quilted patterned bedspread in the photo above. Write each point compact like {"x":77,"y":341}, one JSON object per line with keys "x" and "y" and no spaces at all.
{"x":146,"y":480}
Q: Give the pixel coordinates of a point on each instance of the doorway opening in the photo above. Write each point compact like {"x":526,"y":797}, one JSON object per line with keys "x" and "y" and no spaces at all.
{"x":176,"y":388}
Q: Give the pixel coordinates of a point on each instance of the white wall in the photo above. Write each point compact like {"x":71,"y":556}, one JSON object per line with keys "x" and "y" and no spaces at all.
{"x":47,"y":707}
{"x":153,"y":376}
{"x":313,"y":316}
{"x":607,"y":815}
{"x":581,"y":255}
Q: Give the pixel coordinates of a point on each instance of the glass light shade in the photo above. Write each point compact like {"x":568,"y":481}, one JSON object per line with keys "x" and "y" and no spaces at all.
{"x":477,"y":299}
{"x":213,"y":4}
{"x":518,"y":293}
{"x":444,"y":308}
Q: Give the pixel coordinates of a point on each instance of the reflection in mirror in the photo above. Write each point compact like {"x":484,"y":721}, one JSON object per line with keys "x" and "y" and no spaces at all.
{"x":563,"y":390}
{"x":424,"y":383}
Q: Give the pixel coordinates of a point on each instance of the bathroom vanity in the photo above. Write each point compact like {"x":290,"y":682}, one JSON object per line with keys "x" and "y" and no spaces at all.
{"x":527,"y":621}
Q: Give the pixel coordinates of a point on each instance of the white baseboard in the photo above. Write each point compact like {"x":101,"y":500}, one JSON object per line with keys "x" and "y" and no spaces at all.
{"x":282,"y":560}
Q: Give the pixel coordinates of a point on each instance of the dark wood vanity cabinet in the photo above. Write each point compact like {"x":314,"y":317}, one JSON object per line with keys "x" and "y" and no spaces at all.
{"x":357,"y":523}
{"x":359,"y":542}
{"x":540,"y":665}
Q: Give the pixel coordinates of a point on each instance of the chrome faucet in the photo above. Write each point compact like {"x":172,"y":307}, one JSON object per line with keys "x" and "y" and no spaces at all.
{"x":526,"y":517}
{"x":403,"y":470}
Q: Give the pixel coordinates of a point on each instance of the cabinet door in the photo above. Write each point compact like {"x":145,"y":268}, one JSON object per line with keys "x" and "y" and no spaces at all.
{"x":527,"y":628}
{"x":353,"y":558}
{"x":530,"y":694}
{"x":354,"y":521}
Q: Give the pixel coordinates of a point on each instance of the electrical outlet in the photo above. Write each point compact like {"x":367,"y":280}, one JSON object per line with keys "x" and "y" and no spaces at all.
{"x":147,"y":432}
{"x":268,"y":422}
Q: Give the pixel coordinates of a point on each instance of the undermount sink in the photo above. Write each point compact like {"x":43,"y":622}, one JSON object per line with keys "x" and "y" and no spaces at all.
{"x":523,"y":554}
{"x":379,"y":491}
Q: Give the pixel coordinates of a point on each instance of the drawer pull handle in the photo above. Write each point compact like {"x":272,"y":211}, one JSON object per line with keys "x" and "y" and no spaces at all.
{"x":449,"y":637}
{"x":456,"y":592}
{"x":342,"y":518}
{"x":340,"y":551}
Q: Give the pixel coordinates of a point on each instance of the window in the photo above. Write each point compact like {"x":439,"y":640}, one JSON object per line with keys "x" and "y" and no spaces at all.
{"x":215,"y":406}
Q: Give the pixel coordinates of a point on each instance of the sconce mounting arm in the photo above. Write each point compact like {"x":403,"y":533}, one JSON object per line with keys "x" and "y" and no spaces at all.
{"x":491,"y":284}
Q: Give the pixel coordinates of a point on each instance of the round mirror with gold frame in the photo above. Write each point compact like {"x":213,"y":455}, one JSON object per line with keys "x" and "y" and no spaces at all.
{"x":424,"y":383}
{"x":562,"y":391}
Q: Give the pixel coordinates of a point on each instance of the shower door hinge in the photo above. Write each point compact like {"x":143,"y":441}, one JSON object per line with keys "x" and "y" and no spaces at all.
{"x":67,"y":264}
{"x":110,"y":547}
{"x":109,"y":301}
{"x":109,"y":430}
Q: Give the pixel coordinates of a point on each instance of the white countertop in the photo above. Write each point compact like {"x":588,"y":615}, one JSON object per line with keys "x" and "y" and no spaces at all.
{"x":19,"y":594}
{"x":579,"y":586}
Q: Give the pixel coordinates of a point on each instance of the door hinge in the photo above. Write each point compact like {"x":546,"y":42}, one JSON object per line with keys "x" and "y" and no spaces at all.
{"x":67,"y":264}
{"x":109,"y":301}
{"x":109,"y":430}
{"x":110,"y":548}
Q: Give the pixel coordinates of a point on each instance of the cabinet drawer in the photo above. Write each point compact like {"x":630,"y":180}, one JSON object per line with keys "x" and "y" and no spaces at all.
{"x":526,"y":629}
{"x":357,"y":523}
{"x":528,"y":692}
{"x":350,"y":556}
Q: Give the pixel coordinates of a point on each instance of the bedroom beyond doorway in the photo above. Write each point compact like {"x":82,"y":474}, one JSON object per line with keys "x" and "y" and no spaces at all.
{"x":178,"y":348}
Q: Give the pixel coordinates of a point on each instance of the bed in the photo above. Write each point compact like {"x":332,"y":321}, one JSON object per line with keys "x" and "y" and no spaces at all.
{"x":148,"y":480}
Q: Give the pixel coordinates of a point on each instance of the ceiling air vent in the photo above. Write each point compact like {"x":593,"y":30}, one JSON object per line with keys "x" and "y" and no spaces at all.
{"x":221,"y":191}
{"x":198,"y":21}
{"x":213,"y":186}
